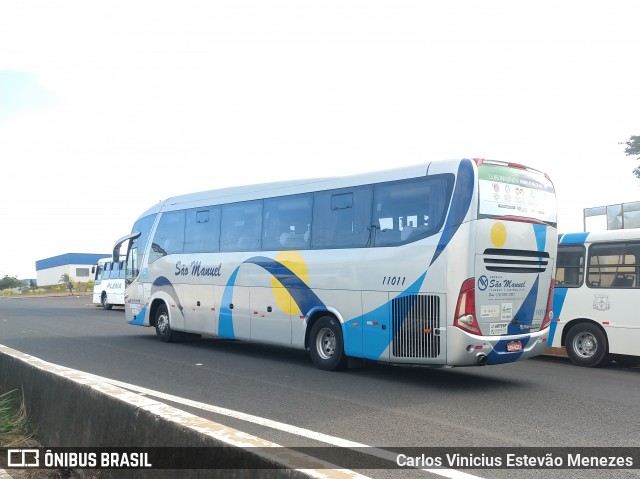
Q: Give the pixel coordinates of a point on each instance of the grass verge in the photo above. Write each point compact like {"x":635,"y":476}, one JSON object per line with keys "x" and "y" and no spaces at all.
{"x":15,"y":432}
{"x":14,"y":423}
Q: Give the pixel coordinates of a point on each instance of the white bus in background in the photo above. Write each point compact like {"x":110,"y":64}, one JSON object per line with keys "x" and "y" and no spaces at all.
{"x":596,"y":301}
{"x":108,"y":286}
{"x":447,"y":263}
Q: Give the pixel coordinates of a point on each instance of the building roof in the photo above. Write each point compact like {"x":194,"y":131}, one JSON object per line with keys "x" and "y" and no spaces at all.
{"x":68,"y":258}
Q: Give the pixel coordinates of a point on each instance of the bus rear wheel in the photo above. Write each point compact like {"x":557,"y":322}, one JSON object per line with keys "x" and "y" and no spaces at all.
{"x":163,"y":328}
{"x":587,"y":346}
{"x":326,"y":345}
{"x":105,"y":305}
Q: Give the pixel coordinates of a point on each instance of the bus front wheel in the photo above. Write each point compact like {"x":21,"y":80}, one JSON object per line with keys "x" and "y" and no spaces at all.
{"x":587,"y":346}
{"x":326,"y":345}
{"x":105,"y":304}
{"x":163,"y":328}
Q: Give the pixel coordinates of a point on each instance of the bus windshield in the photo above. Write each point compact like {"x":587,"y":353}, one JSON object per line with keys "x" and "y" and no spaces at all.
{"x":506,"y":190}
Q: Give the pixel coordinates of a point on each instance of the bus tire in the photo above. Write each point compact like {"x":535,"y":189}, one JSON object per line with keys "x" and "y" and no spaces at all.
{"x":326,"y":345}
{"x":103,"y":300}
{"x":163,"y":327}
{"x":587,"y":346}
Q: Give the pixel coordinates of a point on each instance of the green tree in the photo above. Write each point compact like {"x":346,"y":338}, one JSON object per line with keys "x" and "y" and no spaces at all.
{"x":65,"y":278}
{"x":9,"y":282}
{"x":633,"y":149}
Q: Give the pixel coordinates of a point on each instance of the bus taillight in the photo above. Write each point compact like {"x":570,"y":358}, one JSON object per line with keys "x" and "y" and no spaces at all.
{"x":549,"y":313}
{"x":465,"y":317}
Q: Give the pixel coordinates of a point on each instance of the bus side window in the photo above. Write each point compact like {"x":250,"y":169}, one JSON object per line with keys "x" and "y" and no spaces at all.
{"x":106,"y":271}
{"x":342,"y":218}
{"x":241,"y":226}
{"x":202,"y":230}
{"x":613,"y":264}
{"x":408,"y":210}
{"x":169,"y":236}
{"x":115,"y":271}
{"x":285,"y":222}
{"x":570,"y":266}
{"x":387,"y":233}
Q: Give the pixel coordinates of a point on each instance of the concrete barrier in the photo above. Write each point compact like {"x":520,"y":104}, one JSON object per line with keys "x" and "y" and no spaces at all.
{"x":69,"y":408}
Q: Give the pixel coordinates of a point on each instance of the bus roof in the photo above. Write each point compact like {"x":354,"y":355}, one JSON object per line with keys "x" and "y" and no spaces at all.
{"x":594,"y":236}
{"x":292,"y":187}
{"x":109,"y":259}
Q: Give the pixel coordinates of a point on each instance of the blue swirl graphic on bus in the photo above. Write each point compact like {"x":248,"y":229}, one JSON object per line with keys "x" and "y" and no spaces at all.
{"x":559,"y":296}
{"x":225,"y":320}
{"x":524,"y":316}
{"x":303,"y":296}
{"x":523,"y":320}
{"x":540,"y":232}
{"x":139,"y":318}
{"x":462,"y":195}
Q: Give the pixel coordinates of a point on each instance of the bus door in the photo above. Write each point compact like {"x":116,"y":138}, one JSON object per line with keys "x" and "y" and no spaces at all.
{"x":270,"y":321}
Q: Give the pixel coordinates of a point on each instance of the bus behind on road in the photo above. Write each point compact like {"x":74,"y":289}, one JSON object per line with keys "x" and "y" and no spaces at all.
{"x":597,"y":295}
{"x":448,"y":263}
{"x":108,"y":283}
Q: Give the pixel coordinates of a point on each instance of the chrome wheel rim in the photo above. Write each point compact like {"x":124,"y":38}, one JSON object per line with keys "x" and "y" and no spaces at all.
{"x":585,"y":345}
{"x":326,"y":343}
{"x":162,"y":323}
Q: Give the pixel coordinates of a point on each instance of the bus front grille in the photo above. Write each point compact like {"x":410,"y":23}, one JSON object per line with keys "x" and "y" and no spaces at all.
{"x":416,"y":323}
{"x":515,"y":260}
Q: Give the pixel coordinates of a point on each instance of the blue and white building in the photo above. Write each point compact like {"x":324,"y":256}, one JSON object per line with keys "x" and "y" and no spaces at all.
{"x":76,"y":265}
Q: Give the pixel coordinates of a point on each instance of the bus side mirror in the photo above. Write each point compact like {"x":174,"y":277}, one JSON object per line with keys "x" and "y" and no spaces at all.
{"x":93,"y":270}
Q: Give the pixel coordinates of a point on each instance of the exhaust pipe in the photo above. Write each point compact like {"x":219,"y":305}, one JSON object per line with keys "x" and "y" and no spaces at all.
{"x":481,"y":359}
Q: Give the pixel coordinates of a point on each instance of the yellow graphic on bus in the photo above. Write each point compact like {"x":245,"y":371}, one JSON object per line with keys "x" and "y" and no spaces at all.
{"x":498,"y":234}
{"x":295,"y":262}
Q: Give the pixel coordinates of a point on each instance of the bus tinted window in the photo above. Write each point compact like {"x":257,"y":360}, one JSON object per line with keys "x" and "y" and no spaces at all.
{"x":241,"y":226}
{"x":614,"y":265}
{"x":106,"y":270}
{"x":115,"y":271}
{"x":169,"y":236}
{"x":287,"y":222}
{"x":408,"y":210}
{"x":202,"y":230}
{"x":342,"y":218}
{"x":508,"y":191}
{"x":570,"y":266}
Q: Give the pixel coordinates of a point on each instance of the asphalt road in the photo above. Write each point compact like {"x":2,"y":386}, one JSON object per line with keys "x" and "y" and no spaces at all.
{"x":542,"y":402}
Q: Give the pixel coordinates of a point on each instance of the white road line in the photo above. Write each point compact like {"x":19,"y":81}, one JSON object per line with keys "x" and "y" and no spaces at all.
{"x":288,"y":428}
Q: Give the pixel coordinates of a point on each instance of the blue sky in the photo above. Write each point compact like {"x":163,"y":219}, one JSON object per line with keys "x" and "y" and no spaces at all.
{"x":107,"y":108}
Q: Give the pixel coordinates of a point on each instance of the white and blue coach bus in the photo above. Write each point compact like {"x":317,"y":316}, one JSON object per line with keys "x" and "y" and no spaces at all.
{"x":108,"y":283}
{"x":446,"y":263}
{"x":596,"y":297}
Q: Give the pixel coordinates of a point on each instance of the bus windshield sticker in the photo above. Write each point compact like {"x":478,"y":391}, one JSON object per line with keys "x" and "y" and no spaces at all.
{"x":512,"y":192}
{"x":498,"y":329}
